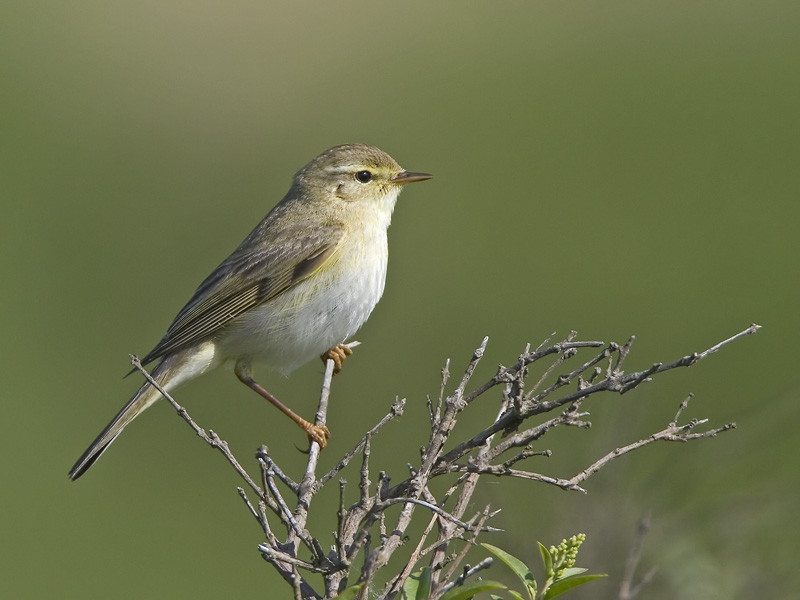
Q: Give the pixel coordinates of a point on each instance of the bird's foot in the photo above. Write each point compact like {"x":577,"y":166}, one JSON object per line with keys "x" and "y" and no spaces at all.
{"x":317,"y":433}
{"x":337,"y":354}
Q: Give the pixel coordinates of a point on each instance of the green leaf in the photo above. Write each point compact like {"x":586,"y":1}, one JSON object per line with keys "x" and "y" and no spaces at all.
{"x":410,"y":588}
{"x":563,"y":585}
{"x":424,"y":589}
{"x":520,"y":568}
{"x":468,"y":590}
{"x":547,"y":560}
{"x":417,"y":586}
{"x":516,"y":595}
{"x":350,"y":593}
{"x":571,"y":572}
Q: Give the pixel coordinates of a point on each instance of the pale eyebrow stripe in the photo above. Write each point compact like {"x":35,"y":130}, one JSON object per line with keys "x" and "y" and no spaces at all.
{"x":338,"y":170}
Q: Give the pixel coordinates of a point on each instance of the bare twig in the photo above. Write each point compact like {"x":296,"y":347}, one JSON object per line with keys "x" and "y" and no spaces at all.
{"x":671,"y":433}
{"x":503,"y":373}
{"x":466,"y":526}
{"x":468,"y":572}
{"x":362,"y":528}
{"x":395,"y":411}
{"x":463,"y":553}
{"x":211,"y":438}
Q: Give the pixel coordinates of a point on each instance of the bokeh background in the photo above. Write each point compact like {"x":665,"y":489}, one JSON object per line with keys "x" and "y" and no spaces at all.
{"x":616,"y":168}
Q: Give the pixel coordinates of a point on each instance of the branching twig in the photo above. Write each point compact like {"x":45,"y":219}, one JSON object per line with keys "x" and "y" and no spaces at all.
{"x":361,"y":528}
{"x":211,"y":438}
{"x":671,"y":433}
{"x":468,"y":572}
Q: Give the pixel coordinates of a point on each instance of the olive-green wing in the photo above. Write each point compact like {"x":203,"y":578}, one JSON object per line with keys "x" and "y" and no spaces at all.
{"x":250,"y":276}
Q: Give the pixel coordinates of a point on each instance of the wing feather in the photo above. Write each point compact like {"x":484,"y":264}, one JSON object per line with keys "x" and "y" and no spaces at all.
{"x":255,"y":273}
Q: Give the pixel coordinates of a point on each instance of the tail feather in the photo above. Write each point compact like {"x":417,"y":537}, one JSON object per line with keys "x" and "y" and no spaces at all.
{"x":144,"y":398}
{"x":173,"y":370}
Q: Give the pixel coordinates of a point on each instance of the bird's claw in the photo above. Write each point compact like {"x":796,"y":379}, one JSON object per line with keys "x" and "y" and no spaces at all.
{"x":337,"y":354}
{"x":318,"y":433}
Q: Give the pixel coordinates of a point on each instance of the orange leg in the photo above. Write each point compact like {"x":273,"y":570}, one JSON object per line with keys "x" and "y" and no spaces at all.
{"x":316,"y":433}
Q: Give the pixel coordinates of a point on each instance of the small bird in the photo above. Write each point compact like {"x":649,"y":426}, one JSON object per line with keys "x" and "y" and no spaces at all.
{"x":304,"y":281}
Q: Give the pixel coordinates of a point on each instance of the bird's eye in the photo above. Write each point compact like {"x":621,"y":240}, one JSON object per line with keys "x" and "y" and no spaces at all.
{"x":364,"y":176}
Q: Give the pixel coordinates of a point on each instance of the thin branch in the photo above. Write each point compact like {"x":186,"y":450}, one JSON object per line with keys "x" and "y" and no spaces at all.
{"x":503,"y":373}
{"x":260,"y":517}
{"x":395,"y":411}
{"x":466,"y":526}
{"x":210,"y":438}
{"x":716,"y":347}
{"x":463,"y":553}
{"x":263,"y":454}
{"x":272,"y":554}
{"x":362,"y":527}
{"x":419,"y":551}
{"x":476,"y":357}
{"x":502,"y":471}
{"x":671,"y":433}
{"x":445,"y":378}
{"x":568,"y":353}
{"x":468,"y":572}
{"x":268,"y":481}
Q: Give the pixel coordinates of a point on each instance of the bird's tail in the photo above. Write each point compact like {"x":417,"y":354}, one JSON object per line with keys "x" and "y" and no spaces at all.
{"x":141,"y":400}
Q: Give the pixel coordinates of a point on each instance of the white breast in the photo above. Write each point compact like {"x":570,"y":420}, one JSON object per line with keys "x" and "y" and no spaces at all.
{"x":325,"y":309}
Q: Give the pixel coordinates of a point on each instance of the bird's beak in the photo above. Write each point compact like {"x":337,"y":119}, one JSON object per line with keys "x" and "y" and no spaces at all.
{"x":405,"y":177}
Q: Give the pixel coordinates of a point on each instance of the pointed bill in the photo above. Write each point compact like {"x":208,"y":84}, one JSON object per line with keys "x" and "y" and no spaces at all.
{"x":405,"y":177}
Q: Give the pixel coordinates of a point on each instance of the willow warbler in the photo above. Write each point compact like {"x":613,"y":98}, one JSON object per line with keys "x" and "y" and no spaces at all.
{"x":304,"y":280}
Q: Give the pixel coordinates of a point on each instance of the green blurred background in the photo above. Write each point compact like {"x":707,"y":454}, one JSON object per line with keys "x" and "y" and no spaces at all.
{"x":612,"y":167}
